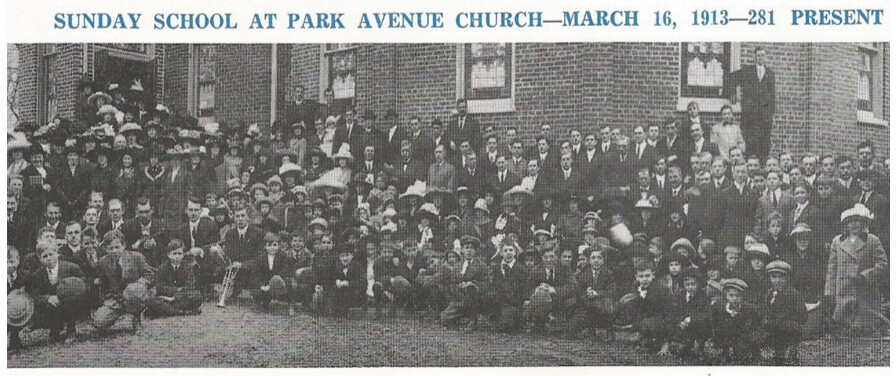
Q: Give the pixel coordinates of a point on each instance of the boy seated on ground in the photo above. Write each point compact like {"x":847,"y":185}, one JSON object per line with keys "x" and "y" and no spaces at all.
{"x":554,"y":291}
{"x":595,"y":303}
{"x":15,"y":280}
{"x":52,"y":309}
{"x":271,"y":272}
{"x":785,"y":314}
{"x":735,"y":324}
{"x":345,"y":283}
{"x":471,"y":275}
{"x":650,"y":307}
{"x":508,"y":291}
{"x":125,"y":277}
{"x":177,"y":292}
{"x":692,"y":315}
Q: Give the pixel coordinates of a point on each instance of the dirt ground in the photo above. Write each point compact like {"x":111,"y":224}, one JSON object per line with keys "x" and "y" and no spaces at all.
{"x":240,"y":336}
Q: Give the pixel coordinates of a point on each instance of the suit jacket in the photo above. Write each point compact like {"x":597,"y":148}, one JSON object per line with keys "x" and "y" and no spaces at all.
{"x":422,"y":146}
{"x":33,"y":186}
{"x":657,"y":303}
{"x":786,"y":313}
{"x":758,"y":96}
{"x":262,"y":272}
{"x":518,"y":168}
{"x":697,"y":308}
{"x":591,"y":167}
{"x":75,"y":192}
{"x":566,"y":186}
{"x":113,"y":281}
{"x":246,"y":249}
{"x":475,"y":180}
{"x":510,"y":289}
{"x":442,"y":176}
{"x":361,"y":166}
{"x":170,"y":281}
{"x":206,"y":233}
{"x":880,"y":208}
{"x":391,"y":149}
{"x":679,"y":149}
{"x":510,"y":180}
{"x":765,"y":207}
{"x":470,"y":131}
{"x":604,"y":284}
{"x":408,"y":171}
{"x":616,"y":173}
{"x":562,"y":281}
{"x":711,"y":147}
{"x":648,"y":156}
{"x":477,"y":271}
{"x":38,"y":283}
{"x":355,"y":273}
{"x":739,"y":215}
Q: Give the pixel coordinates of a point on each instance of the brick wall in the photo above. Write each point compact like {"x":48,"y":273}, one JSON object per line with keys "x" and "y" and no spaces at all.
{"x":175,"y":94}
{"x":243,"y":83}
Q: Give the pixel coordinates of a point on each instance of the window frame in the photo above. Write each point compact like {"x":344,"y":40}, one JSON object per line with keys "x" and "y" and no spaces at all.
{"x":47,"y":53}
{"x":485,"y":106}
{"x":325,"y":54}
{"x":709,"y":104}
{"x":875,"y":115}
{"x":193,"y":84}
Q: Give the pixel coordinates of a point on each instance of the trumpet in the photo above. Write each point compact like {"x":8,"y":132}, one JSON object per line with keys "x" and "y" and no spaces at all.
{"x":227,"y":285}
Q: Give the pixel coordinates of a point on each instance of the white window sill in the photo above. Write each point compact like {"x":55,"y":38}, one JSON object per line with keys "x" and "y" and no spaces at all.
{"x":867,"y":117}
{"x":706,"y":104}
{"x":490,"y":106}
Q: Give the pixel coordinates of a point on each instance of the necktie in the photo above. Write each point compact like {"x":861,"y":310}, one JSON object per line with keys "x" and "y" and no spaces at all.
{"x":345,"y":272}
{"x":865,"y":198}
{"x":774,"y":199}
{"x":551,"y":275}
{"x":505,"y":269}
{"x":771,"y":300}
{"x":242,"y":236}
{"x":640,"y":149}
{"x":192,"y":236}
{"x":461,"y":121}
{"x":501,"y":177}
{"x":796,"y":216}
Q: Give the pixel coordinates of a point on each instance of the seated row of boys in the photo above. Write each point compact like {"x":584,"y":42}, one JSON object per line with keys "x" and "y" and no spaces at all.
{"x":459,"y":286}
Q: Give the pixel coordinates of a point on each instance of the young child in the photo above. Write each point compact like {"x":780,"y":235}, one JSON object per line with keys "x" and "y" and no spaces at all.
{"x":757,"y":278}
{"x":785,"y":313}
{"x":124,"y":276}
{"x":735,"y":322}
{"x":650,"y":308}
{"x":775,"y":240}
{"x":177,"y":292}
{"x":733,"y":267}
{"x":674,"y":278}
{"x":272,"y":269}
{"x":595,"y":303}
{"x":15,"y":281}
{"x":345,"y":285}
{"x":51,"y":310}
{"x":508,"y":284}
{"x":692,"y":314}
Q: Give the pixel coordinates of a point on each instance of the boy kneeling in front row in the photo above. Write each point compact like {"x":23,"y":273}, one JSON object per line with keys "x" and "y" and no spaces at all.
{"x":55,"y":307}
{"x":735,"y":322}
{"x":177,"y":292}
{"x":785,"y":314}
{"x":272,"y":271}
{"x":650,"y":307}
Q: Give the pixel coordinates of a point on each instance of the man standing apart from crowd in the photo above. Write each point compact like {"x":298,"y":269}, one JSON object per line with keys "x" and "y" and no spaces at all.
{"x":757,"y":92}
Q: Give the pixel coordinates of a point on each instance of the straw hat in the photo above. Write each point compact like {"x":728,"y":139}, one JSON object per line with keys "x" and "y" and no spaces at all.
{"x":19,"y":308}
{"x":858,"y":211}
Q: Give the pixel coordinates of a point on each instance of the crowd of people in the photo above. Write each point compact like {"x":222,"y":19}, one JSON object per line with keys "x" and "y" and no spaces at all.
{"x":672,"y":229}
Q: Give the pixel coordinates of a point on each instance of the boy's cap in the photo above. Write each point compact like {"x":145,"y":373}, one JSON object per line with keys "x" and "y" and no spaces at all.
{"x":715,"y":285}
{"x":800,"y":228}
{"x":469,"y":239}
{"x":778,"y":266}
{"x":734,"y":283}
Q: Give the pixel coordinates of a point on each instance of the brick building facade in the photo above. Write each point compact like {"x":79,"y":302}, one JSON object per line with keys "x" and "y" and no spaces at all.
{"x":829,"y":96}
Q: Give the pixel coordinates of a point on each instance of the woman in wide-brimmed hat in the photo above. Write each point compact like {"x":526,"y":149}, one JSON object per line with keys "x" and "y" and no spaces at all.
{"x":343,"y":160}
{"x":856,"y":267}
{"x":16,"y":149}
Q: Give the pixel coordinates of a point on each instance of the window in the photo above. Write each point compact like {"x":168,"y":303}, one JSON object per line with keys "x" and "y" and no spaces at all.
{"x":705,"y":67}
{"x":12,"y":84}
{"x":49,"y":104}
{"x":485,"y":76}
{"x":140,"y":48}
{"x":869,"y":98}
{"x":341,"y":72}
{"x":207,"y":77}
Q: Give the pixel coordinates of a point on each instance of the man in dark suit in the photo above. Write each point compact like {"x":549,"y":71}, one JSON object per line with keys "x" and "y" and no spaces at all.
{"x":699,"y":143}
{"x":473,"y":176}
{"x":115,"y":220}
{"x":589,"y":158}
{"x":645,"y":155}
{"x":606,"y":141}
{"x":147,"y":235}
{"x":739,"y":203}
{"x":674,"y":195}
{"x":197,"y":231}
{"x":775,"y":200}
{"x":40,"y":181}
{"x":865,"y":157}
{"x":516,"y":162}
{"x":673,"y":144}
{"x":18,"y":229}
{"x":569,"y":180}
{"x":73,"y":194}
{"x":367,"y":135}
{"x":51,"y":312}
{"x":876,"y":203}
{"x":502,"y":179}
{"x":301,"y":110}
{"x":347,"y":131}
{"x":409,"y":169}
{"x":757,"y":84}
{"x":421,"y":142}
{"x":369,"y":162}
{"x":463,"y":127}
{"x":393,"y":136}
{"x":620,"y":167}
